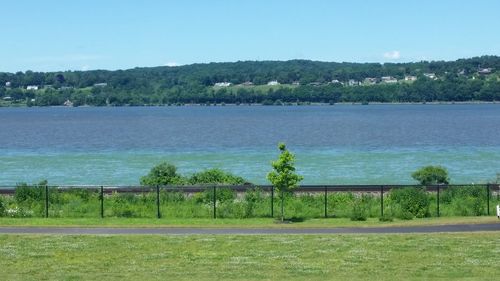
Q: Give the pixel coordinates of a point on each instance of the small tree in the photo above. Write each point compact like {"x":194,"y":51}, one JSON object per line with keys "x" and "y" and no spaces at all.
{"x":283,"y":176}
{"x":162,"y":174}
{"x":430,"y":175}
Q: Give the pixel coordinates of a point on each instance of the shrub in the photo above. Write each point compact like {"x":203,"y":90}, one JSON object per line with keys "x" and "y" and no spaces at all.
{"x":30,"y":193}
{"x":431,"y":175}
{"x":358,"y":212}
{"x":252,"y":197}
{"x":410,"y":202}
{"x":162,"y":174}
{"x":2,"y":207}
{"x":215,"y":176}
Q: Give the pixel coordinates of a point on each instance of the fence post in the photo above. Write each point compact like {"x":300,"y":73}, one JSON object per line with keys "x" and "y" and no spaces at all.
{"x":488,"y":199}
{"x":381,"y":201}
{"x":46,"y":201}
{"x":272,"y":201}
{"x":158,"y":215}
{"x":102,"y":201}
{"x":215,"y":202}
{"x":326,"y":202}
{"x":438,"y":214}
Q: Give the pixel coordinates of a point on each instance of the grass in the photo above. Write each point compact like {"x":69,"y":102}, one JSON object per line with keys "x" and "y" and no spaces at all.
{"x":252,"y":257}
{"x":241,"y":223}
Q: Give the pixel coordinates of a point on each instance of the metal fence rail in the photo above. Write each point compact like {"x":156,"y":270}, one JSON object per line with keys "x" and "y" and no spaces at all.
{"x":321,"y":189}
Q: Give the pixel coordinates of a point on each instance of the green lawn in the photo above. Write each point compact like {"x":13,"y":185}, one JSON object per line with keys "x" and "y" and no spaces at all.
{"x":252,"y":257}
{"x":247,"y":223}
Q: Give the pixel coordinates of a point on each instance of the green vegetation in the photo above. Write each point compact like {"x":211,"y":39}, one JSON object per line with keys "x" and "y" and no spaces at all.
{"x":283,"y":176}
{"x":301,"y":81}
{"x":400,"y":203}
{"x":254,"y":257}
{"x":431,"y":175}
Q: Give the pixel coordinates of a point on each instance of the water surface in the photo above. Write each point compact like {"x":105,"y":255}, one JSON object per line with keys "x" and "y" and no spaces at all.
{"x":339,"y":144}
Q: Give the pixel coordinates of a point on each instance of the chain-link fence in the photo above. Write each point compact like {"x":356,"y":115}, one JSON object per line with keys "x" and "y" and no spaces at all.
{"x":357,"y":202}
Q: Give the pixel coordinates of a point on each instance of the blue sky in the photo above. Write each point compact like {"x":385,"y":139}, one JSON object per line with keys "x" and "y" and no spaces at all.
{"x":54,"y":35}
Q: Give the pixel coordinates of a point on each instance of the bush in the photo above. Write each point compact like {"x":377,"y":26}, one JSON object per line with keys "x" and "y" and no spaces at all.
{"x":358,"y":212}
{"x":2,"y":207}
{"x":410,"y":202}
{"x":215,"y":176}
{"x":162,"y":174}
{"x":252,"y":197}
{"x":431,"y":175}
{"x":30,"y":193}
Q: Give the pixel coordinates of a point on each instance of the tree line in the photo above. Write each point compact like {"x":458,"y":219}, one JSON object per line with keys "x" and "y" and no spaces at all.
{"x":457,"y":81}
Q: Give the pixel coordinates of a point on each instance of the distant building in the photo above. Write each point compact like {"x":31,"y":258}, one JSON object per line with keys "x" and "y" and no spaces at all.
{"x":273,"y":83}
{"x":100,"y":84}
{"x":370,"y":81}
{"x":430,"y":76}
{"x":410,"y":78}
{"x":247,"y":83}
{"x":7,"y":98}
{"x":222,"y":84}
{"x":8,"y":84}
{"x":66,"y":88}
{"x":296,"y":83}
{"x":32,"y":87}
{"x":389,"y":79}
{"x":335,"y":81}
{"x":461,"y":72}
{"x":484,"y":71}
{"x":352,"y":82}
{"x":68,"y":103}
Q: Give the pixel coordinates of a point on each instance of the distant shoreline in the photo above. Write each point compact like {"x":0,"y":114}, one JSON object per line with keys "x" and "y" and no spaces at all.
{"x":274,"y":105}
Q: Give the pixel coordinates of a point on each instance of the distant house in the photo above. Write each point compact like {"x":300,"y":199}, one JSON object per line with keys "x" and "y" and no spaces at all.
{"x":66,"y":88}
{"x":247,"y":83}
{"x":68,"y":103}
{"x":484,"y":71}
{"x":32,"y":87}
{"x":8,"y":84}
{"x":100,"y":84}
{"x":430,"y":76}
{"x":335,"y":81}
{"x":370,"y":81}
{"x":7,"y":98}
{"x":352,"y":82}
{"x":273,"y":83}
{"x":296,"y":83}
{"x":388,"y":79}
{"x":222,"y":84}
{"x":410,"y":78}
{"x":461,"y":72}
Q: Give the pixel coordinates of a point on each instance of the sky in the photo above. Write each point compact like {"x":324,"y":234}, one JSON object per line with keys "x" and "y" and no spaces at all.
{"x":54,"y":35}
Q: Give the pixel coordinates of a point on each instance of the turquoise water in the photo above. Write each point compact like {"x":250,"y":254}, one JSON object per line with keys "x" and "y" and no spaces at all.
{"x":375,"y":144}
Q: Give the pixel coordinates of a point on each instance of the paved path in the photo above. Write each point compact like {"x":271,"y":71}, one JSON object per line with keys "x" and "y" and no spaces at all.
{"x":193,"y":230}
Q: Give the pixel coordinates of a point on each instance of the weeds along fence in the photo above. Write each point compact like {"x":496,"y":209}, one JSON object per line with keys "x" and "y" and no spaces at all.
{"x":246,"y":201}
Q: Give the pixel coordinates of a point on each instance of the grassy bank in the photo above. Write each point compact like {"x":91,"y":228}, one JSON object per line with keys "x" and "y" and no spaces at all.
{"x":242,"y":223}
{"x":291,"y":257}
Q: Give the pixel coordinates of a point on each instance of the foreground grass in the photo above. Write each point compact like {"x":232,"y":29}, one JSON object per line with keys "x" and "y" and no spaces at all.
{"x":237,"y":257}
{"x":243,"y":223}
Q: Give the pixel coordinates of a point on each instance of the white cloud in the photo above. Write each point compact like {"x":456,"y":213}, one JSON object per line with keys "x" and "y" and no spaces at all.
{"x":85,"y":67}
{"x":392,"y":55}
{"x":171,"y":64}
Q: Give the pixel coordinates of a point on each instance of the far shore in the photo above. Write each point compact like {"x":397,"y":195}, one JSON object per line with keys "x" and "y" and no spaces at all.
{"x":284,"y":104}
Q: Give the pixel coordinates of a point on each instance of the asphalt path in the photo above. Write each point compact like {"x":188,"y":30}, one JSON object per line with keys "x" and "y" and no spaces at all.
{"x":249,"y":231}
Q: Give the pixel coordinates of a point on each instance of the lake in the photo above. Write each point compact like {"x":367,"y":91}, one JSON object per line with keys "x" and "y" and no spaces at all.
{"x":340,"y":144}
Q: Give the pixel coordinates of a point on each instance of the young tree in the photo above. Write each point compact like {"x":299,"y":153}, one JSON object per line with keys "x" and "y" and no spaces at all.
{"x":283,"y":176}
{"x":430,"y":175}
